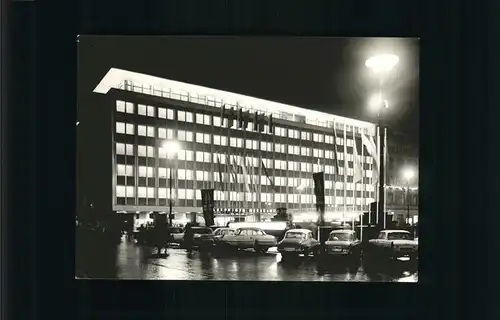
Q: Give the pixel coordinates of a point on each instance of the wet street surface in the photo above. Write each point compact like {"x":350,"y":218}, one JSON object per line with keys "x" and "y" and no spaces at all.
{"x":131,"y":261}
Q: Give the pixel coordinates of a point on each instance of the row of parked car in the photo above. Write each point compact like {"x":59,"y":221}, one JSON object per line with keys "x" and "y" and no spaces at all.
{"x":392,"y":244}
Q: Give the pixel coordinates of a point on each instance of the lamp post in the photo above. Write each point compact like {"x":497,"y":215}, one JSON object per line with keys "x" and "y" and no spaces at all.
{"x":381,"y":65}
{"x":171,"y":148}
{"x":408,"y":175}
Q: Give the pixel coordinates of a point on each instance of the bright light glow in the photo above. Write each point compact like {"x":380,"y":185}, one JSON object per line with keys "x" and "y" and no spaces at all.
{"x":115,"y":78}
{"x":171,"y":147}
{"x":382,"y":62}
{"x":270,"y":226}
{"x":408,"y":174}
{"x":77,"y":123}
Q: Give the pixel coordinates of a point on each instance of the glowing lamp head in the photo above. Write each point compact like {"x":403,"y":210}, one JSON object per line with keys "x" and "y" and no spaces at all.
{"x":171,"y":147}
{"x":408,"y":174}
{"x":382,"y":63}
{"x":377,"y":102}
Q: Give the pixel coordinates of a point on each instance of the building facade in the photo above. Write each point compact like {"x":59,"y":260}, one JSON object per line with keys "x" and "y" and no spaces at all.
{"x":124,"y":167}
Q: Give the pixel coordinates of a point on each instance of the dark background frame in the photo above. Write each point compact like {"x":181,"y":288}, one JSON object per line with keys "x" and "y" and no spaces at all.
{"x":456,"y":157}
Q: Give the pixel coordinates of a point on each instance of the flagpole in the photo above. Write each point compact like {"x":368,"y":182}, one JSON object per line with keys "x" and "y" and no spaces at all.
{"x":345,"y":171}
{"x":363,"y":189}
{"x":385,"y":177}
{"x":336,"y":168}
{"x":228,"y":166}
{"x":378,"y":170}
{"x":259,"y":197}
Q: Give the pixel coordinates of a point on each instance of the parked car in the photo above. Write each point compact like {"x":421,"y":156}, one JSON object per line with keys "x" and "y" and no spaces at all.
{"x":343,"y":243}
{"x":296,"y":242}
{"x":393,"y":244}
{"x":199,"y":237}
{"x":177,"y":234}
{"x":247,"y":238}
{"x":219,"y":233}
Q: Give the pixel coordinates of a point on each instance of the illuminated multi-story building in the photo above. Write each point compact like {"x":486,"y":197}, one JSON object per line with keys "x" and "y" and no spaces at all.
{"x":123,"y":167}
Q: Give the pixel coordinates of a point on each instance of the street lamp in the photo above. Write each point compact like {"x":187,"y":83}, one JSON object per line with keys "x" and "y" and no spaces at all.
{"x":171,"y":147}
{"x":408,"y":175}
{"x":381,"y":65}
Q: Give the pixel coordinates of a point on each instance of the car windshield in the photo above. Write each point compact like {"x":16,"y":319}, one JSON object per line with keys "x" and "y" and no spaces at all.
{"x":176,"y":230}
{"x":202,"y":231}
{"x":340,"y":236}
{"x":227,"y":231}
{"x":295,"y":235}
{"x":399,"y":236}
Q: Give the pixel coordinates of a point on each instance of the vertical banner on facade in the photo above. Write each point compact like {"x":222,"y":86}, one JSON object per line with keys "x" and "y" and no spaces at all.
{"x":319,"y":192}
{"x":207,"y":201}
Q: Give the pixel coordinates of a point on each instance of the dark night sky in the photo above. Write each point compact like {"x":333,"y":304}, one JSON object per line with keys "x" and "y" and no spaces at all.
{"x":325,"y":74}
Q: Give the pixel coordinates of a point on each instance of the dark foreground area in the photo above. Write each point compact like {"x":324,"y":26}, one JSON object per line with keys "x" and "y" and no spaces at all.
{"x":127,"y":260}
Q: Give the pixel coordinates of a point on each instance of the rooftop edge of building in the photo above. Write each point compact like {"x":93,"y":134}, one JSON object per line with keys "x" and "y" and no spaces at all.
{"x":116,"y":78}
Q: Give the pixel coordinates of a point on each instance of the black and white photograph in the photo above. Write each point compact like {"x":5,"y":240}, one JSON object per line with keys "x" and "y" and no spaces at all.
{"x":247,"y":159}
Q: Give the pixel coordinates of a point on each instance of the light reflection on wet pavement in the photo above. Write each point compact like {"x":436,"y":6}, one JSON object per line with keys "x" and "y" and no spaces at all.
{"x":136,"y":262}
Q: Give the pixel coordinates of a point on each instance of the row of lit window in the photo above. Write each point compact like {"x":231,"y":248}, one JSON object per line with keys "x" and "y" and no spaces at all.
{"x":190,"y":194}
{"x":293,"y":150}
{"x":207,"y":157}
{"x":184,"y":116}
{"x":218,"y":102}
{"x":186,"y":174}
{"x":182,"y":135}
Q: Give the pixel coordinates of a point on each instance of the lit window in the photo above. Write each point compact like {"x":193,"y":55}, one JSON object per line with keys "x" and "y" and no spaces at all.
{"x":121,"y":191}
{"x":189,"y":194}
{"x":151,"y":111}
{"x":162,"y":153}
{"x":223,"y":141}
{"x":141,"y":130}
{"x":162,"y":172}
{"x":206,"y":138}
{"x":199,"y":175}
{"x":151,"y":152}
{"x":189,"y":174}
{"x":189,"y":155}
{"x":151,"y":192}
{"x":141,"y":151}
{"x":290,"y":133}
{"x":216,"y":140}
{"x":120,"y":106}
{"x":120,"y":148}
{"x":170,"y":134}
{"x":130,"y":192}
{"x":216,"y":121}
{"x":150,"y":172}
{"x":199,"y":137}
{"x":120,"y":127}
{"x":181,"y":116}
{"x":181,"y":174}
{"x":182,"y":194}
{"x":162,"y":133}
{"x":206,"y":119}
{"x":130,"y":149}
{"x":296,"y":150}
{"x":162,"y":113}
{"x":232,"y":142}
{"x":162,"y":193}
{"x":143,"y":171}
{"x":181,"y":135}
{"x":263,"y":146}
{"x":142,"y":192}
{"x":170,"y":114}
{"x":315,"y":152}
{"x":320,"y":138}
{"x":130,"y":128}
{"x":189,"y":136}
{"x":189,"y":117}
{"x":240,"y":142}
{"x":181,"y":154}
{"x":130,"y":107}
{"x":199,"y":118}
{"x":151,"y":132}
{"x":206,"y":157}
{"x":199,"y":156}
{"x":141,"y":109}
{"x":255,"y":145}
